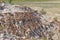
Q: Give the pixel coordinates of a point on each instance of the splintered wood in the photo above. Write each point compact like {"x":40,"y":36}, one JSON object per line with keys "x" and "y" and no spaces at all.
{"x":21,"y":22}
{"x":26,"y":23}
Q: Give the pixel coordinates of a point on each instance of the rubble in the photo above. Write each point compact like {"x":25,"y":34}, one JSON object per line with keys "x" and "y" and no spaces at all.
{"x":24,"y":23}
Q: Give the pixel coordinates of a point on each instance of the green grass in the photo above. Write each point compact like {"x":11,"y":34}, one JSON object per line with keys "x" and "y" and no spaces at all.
{"x":24,"y":2}
{"x":44,"y":38}
{"x":1,"y":27}
{"x":19,"y":1}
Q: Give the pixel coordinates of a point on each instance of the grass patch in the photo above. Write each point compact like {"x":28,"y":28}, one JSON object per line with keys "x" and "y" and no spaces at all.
{"x":1,"y":27}
{"x":26,"y":2}
{"x":44,"y":38}
{"x":19,"y":1}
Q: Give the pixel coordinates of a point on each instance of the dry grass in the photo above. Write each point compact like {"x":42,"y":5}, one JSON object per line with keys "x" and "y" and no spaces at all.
{"x":51,"y":12}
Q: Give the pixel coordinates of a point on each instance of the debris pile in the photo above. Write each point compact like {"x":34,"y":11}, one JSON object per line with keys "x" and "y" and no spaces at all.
{"x":22,"y":23}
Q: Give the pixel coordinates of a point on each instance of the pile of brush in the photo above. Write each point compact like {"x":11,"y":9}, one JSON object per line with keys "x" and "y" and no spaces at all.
{"x":22,"y":23}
